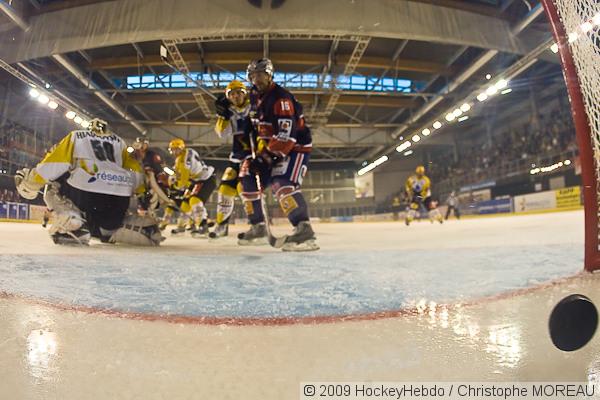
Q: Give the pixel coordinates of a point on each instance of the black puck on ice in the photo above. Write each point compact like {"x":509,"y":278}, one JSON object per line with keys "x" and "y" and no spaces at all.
{"x":573,"y":322}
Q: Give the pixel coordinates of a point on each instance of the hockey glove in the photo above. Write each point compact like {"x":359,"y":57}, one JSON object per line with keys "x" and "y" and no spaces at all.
{"x":262,"y":163}
{"x":222,"y":105}
{"x":26,"y":185}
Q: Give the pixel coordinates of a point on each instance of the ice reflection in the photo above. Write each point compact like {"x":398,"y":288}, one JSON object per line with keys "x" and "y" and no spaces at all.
{"x":42,"y":349}
{"x":504,"y":341}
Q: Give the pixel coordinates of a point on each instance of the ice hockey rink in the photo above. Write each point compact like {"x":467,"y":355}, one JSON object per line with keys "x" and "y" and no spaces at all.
{"x":467,"y":300}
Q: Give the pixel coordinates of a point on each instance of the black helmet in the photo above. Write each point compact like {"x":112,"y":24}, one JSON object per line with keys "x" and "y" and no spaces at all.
{"x":262,"y":64}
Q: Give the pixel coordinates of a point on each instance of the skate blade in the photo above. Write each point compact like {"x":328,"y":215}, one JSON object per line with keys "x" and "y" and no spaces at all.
{"x":253,"y":242}
{"x":309,"y":245}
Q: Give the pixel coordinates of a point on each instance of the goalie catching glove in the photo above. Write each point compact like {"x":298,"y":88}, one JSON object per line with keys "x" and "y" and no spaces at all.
{"x":26,"y":184}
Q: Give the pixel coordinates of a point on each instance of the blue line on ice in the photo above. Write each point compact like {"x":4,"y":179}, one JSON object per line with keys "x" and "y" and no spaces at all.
{"x":278,"y":285}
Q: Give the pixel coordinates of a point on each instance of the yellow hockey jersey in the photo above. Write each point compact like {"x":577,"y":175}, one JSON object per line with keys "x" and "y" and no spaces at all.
{"x":190,"y":167}
{"x":95,"y":163}
{"x":418,"y":186}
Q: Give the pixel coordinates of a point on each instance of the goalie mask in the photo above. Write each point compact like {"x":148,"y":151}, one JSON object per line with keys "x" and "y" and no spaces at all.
{"x":99,"y":126}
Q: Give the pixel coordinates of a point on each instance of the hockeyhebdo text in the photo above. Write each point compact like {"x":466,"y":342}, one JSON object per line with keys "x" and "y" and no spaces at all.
{"x":449,"y":390}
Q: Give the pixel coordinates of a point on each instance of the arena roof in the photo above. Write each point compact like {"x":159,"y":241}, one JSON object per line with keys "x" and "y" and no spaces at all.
{"x":366,"y":71}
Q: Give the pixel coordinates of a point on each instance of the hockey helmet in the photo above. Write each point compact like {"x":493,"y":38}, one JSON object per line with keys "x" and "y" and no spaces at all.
{"x":235,"y":85}
{"x":260,"y":65}
{"x":420,"y":170}
{"x":99,"y":126}
{"x":176,"y":144}
{"x":139,"y":142}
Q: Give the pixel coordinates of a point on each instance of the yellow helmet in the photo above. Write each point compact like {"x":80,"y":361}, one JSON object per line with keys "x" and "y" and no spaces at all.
{"x":420,"y":170}
{"x":176,"y":144}
{"x":233,"y":85}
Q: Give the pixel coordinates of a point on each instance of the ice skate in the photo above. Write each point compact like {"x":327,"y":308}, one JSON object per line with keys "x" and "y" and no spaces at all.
{"x":303,"y":239}
{"x":179,"y":231}
{"x":255,"y":236}
{"x":200,"y":232}
{"x":221,"y":230}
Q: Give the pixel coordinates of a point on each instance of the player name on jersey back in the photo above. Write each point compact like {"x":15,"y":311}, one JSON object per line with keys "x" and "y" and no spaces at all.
{"x":97,"y":162}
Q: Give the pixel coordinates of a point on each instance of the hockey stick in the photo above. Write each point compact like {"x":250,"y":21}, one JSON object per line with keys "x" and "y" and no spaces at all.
{"x":274,"y":241}
{"x":164,"y":55}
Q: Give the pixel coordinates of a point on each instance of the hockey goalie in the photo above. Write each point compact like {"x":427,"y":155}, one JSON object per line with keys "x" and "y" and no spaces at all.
{"x":88,"y":180}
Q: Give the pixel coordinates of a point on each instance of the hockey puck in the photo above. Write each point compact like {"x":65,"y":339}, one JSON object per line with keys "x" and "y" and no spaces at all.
{"x":573,"y":322}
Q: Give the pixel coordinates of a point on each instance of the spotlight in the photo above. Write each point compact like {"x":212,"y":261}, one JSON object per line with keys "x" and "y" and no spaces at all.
{"x":457,"y":113}
{"x":34,"y":93}
{"x":426,"y":132}
{"x":437,"y":125}
{"x":416,"y":138}
{"x":465,"y":107}
{"x":70,"y":114}
{"x":53,"y":105}
{"x":482,"y":97}
{"x":450,"y":117}
{"x":488,"y":77}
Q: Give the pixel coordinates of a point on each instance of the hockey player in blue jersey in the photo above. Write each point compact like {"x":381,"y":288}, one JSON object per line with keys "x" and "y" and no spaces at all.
{"x":281,"y":159}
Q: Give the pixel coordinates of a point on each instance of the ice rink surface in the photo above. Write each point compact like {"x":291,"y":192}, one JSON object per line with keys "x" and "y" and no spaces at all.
{"x":466,"y":300}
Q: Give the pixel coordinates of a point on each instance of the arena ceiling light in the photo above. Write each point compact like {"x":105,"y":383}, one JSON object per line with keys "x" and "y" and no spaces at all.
{"x":408,"y":153}
{"x":554,"y":48}
{"x":501,"y":84}
{"x":492,"y":90}
{"x":53,"y":105}
{"x":130,"y":149}
{"x":463,"y":118}
{"x":70,"y":114}
{"x":457,"y":113}
{"x":482,"y":96}
{"x":488,"y":76}
{"x":42,"y":98}
{"x":416,"y":138}
{"x":426,"y":132}
{"x":33,"y":92}
{"x":437,"y":125}
{"x":450,"y":117}
{"x":403,"y":146}
{"x":506,"y":91}
{"x":85,"y":124}
{"x":78,"y":120}
{"x":465,"y":107}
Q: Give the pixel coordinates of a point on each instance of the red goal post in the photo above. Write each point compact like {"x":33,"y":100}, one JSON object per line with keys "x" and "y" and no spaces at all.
{"x":574,"y":20}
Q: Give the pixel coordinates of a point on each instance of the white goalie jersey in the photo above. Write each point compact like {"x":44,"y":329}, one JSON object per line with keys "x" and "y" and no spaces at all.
{"x":96,"y":163}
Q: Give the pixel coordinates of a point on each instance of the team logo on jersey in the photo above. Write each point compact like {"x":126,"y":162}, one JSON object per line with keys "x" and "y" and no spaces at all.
{"x":93,"y":173}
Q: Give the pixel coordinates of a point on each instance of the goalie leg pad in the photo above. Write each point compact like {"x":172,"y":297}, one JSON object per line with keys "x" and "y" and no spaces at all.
{"x":67,"y":217}
{"x":138,"y":230}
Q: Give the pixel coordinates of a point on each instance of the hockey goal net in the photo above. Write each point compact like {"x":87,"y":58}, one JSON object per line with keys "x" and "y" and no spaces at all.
{"x":576,"y":29}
